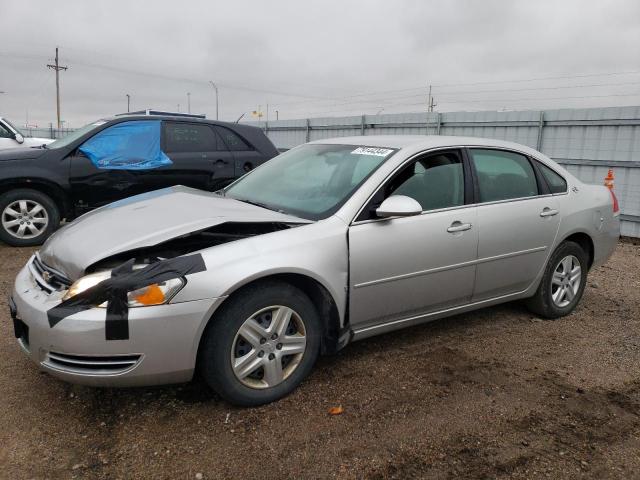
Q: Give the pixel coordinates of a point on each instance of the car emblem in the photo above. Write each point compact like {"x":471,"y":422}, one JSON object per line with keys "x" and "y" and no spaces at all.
{"x":46,"y":276}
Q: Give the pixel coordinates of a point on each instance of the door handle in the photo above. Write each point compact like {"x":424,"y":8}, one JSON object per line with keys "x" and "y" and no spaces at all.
{"x":458,"y":227}
{"x":548,"y":212}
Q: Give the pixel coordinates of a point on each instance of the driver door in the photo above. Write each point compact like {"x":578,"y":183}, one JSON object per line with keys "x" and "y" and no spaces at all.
{"x":406,"y":267}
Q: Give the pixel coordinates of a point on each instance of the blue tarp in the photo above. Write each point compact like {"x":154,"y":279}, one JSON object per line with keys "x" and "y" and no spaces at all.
{"x":127,"y":146}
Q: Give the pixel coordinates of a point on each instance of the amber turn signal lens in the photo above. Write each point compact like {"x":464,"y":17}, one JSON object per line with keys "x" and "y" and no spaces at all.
{"x":151,"y":295}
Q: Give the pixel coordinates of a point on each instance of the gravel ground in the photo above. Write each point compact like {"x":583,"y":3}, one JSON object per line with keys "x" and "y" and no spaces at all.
{"x":496,"y":393}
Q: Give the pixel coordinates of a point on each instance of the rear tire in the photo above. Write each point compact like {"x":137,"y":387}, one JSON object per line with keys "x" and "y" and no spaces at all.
{"x":261,"y":344}
{"x":562,"y":284}
{"x":27,"y":217}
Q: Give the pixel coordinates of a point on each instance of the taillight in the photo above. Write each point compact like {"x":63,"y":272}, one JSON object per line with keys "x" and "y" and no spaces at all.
{"x":616,"y":206}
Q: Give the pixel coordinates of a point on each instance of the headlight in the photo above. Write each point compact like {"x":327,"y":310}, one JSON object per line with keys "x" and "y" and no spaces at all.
{"x":154,"y":294}
{"x":85,"y":283}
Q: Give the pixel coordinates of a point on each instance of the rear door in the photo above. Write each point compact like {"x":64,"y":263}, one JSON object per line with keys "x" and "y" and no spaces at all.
{"x":200,"y":157}
{"x":246,"y":157}
{"x":518,"y":220}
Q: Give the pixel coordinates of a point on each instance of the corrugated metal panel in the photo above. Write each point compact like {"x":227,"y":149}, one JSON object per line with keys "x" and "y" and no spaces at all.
{"x":586,"y":141}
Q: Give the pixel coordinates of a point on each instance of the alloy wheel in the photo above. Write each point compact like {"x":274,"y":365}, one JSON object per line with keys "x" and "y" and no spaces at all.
{"x":566,"y":280}
{"x":25,"y":219}
{"x":268,"y":347}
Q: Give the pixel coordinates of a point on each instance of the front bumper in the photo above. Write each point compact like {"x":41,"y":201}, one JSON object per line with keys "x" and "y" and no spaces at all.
{"x":161,"y":349}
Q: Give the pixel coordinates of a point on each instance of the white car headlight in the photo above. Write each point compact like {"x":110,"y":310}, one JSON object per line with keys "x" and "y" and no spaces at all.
{"x":154,"y":294}
{"x":85,"y":283}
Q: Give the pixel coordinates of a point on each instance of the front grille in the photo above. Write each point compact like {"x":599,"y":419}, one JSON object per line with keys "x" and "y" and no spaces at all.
{"x":91,"y":364}
{"x":46,"y":277}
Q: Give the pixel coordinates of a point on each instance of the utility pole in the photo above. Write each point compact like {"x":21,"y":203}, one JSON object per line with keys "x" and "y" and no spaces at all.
{"x":188,"y":102}
{"x":128,"y":101}
{"x":56,"y":66}
{"x":215,"y":87}
{"x":277,"y":115}
{"x":431,"y":101}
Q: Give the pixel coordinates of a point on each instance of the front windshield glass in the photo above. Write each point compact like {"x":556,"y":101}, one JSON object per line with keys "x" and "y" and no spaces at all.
{"x":66,"y":140}
{"x":311,"y":181}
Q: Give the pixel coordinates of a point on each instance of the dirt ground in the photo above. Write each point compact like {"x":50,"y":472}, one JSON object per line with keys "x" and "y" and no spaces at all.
{"x":496,"y":393}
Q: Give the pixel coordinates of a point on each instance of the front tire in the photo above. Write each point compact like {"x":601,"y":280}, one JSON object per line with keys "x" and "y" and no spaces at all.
{"x":563,"y":282}
{"x":261,"y":344}
{"x":27,"y":217}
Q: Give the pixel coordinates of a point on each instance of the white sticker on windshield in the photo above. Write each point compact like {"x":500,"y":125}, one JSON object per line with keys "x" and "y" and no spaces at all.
{"x":378,"y":152}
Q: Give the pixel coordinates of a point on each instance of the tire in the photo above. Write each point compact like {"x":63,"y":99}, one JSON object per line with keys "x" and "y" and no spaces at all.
{"x":224,"y":343}
{"x":27,"y":217}
{"x":549,"y":301}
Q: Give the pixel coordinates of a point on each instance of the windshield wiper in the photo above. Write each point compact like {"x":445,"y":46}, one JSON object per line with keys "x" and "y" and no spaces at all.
{"x":261,"y":205}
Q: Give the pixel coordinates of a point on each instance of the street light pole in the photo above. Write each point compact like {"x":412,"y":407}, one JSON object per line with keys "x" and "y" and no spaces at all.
{"x":215,"y":87}
{"x":128,"y":101}
{"x":188,"y":102}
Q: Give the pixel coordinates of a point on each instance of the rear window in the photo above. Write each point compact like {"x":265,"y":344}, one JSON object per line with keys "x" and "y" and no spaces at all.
{"x":503,"y":175}
{"x":556,"y":183}
{"x":233,"y":140}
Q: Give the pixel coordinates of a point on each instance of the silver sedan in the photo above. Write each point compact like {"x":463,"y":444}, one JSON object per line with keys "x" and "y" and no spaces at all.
{"x":330,"y":242}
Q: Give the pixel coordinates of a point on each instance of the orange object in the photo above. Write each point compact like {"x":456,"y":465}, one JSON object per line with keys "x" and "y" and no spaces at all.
{"x":151,"y":295}
{"x":608,"y":180}
{"x":336,"y":410}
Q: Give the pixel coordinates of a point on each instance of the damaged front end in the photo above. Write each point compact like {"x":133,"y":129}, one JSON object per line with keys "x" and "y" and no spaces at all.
{"x":147,"y":276}
{"x":189,"y":243}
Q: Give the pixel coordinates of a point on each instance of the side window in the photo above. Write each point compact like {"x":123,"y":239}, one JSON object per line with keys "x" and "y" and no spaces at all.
{"x":556,"y":183}
{"x":188,"y":137}
{"x":233,"y":141}
{"x":503,"y":175}
{"x":132,"y":145}
{"x":435,"y":181}
{"x":4,"y":132}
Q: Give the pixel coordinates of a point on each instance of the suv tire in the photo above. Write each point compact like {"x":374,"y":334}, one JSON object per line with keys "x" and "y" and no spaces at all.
{"x":27,"y":217}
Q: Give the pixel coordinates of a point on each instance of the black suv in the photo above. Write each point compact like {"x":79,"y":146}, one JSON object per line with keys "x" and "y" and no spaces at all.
{"x":115,"y":158}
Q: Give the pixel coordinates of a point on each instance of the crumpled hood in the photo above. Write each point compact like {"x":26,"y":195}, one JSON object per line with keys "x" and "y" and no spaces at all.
{"x":142,"y":221}
{"x":21,"y":153}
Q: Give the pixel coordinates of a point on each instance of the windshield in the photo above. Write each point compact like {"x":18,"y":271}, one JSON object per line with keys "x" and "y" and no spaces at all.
{"x":311,"y":181}
{"x":66,"y":140}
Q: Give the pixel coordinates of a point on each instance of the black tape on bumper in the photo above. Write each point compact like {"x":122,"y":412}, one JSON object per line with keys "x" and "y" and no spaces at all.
{"x":114,"y":291}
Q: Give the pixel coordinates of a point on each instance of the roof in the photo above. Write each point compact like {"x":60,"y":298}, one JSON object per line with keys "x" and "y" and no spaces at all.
{"x":421,"y":141}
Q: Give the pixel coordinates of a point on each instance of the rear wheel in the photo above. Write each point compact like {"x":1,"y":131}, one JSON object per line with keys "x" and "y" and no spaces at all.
{"x":261,"y":344}
{"x":563,"y":282}
{"x":27,"y":217}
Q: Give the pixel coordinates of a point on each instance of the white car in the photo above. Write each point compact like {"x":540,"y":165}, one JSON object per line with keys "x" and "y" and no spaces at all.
{"x":11,"y":137}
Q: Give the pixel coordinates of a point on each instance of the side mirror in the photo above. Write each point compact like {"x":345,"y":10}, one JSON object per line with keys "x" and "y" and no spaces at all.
{"x":398,"y":206}
{"x":19,"y":138}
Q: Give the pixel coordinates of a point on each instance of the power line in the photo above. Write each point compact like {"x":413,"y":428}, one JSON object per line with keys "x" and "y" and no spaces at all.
{"x":486,"y":101}
{"x":608,"y":74}
{"x":383,"y":101}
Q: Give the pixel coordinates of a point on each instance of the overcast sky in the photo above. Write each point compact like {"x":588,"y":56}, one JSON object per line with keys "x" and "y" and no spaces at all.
{"x":315,"y":58}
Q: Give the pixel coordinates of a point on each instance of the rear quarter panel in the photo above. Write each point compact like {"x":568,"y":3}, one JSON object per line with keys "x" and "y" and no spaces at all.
{"x":589,"y":209}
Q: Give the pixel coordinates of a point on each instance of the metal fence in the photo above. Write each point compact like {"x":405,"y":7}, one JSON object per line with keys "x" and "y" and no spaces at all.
{"x":50,"y":132}
{"x":585,"y":141}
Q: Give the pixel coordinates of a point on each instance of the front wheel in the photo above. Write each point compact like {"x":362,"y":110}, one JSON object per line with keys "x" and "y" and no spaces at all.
{"x":27,"y":217}
{"x":563,"y":282}
{"x":261,"y":344}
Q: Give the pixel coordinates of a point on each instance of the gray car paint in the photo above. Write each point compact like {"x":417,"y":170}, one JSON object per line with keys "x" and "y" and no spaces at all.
{"x":379,"y":278}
